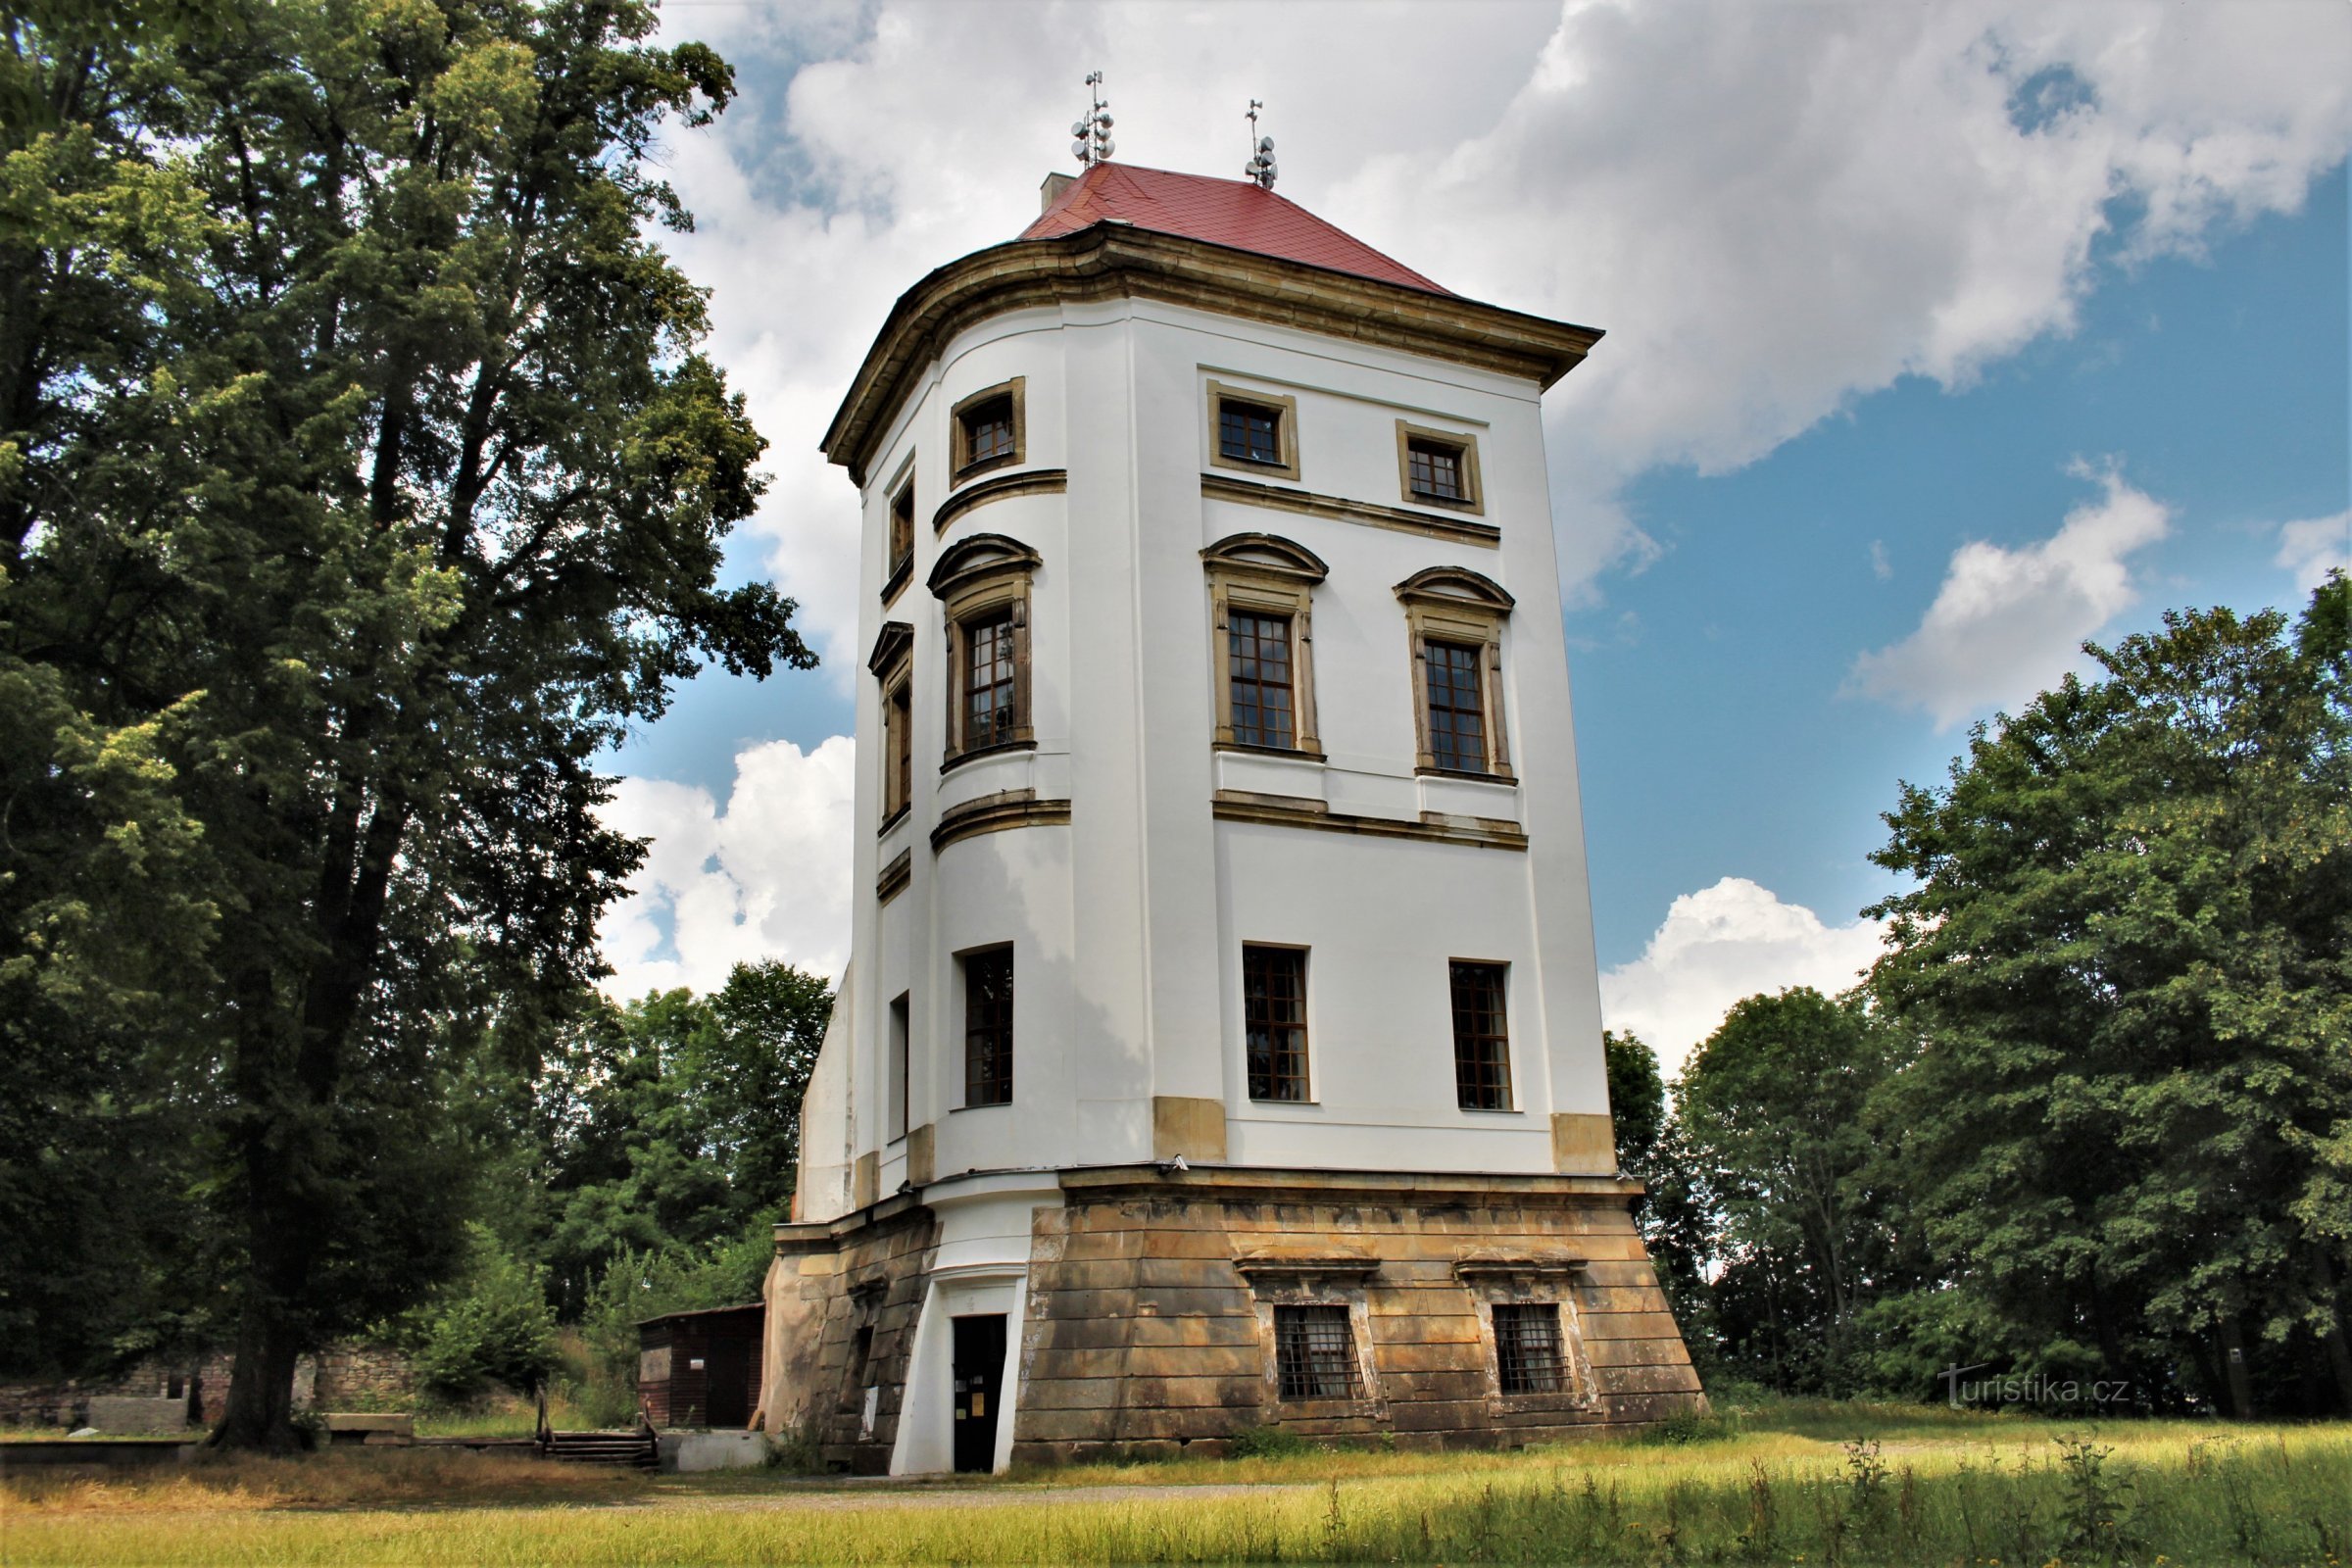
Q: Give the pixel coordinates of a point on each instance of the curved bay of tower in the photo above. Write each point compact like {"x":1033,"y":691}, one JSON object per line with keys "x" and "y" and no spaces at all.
{"x":1127,"y":921}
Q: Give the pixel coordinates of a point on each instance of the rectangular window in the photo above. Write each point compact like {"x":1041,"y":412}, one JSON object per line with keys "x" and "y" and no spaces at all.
{"x":902,"y":530}
{"x":1482,"y":1042}
{"x":898,"y":770}
{"x":900,"y":1033}
{"x":1259,"y":657}
{"x":1248,"y":432}
{"x":1314,"y":1354}
{"x":988,"y":1028}
{"x":1527,"y":1348}
{"x":1457,"y":715}
{"x":990,"y":711}
{"x":1274,"y":1021}
{"x":988,"y":431}
{"x":1434,"y":471}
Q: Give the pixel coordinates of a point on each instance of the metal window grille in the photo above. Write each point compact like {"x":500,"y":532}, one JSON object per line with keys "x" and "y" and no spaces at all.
{"x":988,"y":1028}
{"x":1248,"y":432}
{"x":1527,"y":1348}
{"x":1482,"y":1043}
{"x":988,"y":715}
{"x":1258,"y":650}
{"x":1314,"y":1354}
{"x":901,"y":527}
{"x":1434,"y":471}
{"x":1457,"y":716}
{"x":988,"y":431}
{"x":1274,"y":1021}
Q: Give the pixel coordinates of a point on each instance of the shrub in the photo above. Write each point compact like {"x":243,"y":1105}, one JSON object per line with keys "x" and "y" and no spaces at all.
{"x":1265,"y":1442}
{"x":492,"y":1326}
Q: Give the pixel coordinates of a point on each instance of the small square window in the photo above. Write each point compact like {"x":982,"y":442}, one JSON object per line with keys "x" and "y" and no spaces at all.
{"x":988,"y":431}
{"x":1254,"y":431}
{"x":1314,"y":1354}
{"x":1482,"y":1042}
{"x":1435,"y":470}
{"x":1274,"y":1021}
{"x":1438,"y":467}
{"x":988,"y":1027}
{"x":1249,"y":432}
{"x":1527,"y":1348}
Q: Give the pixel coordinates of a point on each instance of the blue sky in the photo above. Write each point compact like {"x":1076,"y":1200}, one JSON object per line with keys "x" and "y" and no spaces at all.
{"x":1937,"y":341}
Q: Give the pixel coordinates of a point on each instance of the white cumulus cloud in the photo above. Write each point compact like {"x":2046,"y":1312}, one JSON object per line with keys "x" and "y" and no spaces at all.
{"x":1719,"y":946}
{"x":2008,"y":623}
{"x":2315,"y":547}
{"x":769,"y":877}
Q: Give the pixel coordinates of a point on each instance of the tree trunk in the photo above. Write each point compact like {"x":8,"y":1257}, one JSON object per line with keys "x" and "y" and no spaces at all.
{"x":2331,"y":1339}
{"x":258,"y":1412}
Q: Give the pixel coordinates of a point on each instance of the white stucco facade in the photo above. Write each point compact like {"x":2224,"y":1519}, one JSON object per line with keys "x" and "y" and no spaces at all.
{"x":1125,"y":857}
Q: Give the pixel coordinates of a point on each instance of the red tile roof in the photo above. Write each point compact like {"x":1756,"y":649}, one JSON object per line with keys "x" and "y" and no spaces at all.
{"x":1219,"y":212}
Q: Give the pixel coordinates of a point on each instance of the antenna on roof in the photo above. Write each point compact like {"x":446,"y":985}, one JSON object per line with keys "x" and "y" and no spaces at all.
{"x":1093,"y":144}
{"x":1261,"y":152}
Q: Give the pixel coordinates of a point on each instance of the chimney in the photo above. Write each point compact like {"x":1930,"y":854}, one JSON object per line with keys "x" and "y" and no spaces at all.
{"x":1050,"y":191}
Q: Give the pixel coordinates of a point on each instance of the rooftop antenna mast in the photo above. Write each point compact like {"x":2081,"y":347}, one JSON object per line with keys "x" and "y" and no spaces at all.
{"x":1261,"y":152}
{"x":1093,"y":144}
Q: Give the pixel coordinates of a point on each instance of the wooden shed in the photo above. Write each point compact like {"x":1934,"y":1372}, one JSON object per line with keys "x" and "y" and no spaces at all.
{"x":701,"y":1369}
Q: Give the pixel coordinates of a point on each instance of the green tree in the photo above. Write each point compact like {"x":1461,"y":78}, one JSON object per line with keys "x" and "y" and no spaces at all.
{"x":397,"y":494}
{"x":2127,"y":952}
{"x":1636,"y":1100}
{"x":1770,"y":1130}
{"x":753,"y":1071}
{"x":490,"y":1325}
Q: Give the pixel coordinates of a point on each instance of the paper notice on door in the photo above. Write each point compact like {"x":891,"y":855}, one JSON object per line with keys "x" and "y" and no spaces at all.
{"x":873,"y":1407}
{"x":979,"y":1404}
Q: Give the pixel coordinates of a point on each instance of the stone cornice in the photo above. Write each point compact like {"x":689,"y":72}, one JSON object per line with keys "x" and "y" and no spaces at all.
{"x":995,"y":813}
{"x":1280,"y":810}
{"x":1001,"y":487}
{"x":1249,"y":493}
{"x":1110,"y":261}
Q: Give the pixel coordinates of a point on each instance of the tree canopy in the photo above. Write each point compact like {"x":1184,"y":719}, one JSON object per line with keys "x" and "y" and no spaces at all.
{"x":360,"y":480}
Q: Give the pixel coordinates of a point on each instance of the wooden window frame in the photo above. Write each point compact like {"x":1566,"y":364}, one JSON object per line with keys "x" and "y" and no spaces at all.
{"x":893,"y":665}
{"x":976,"y":579}
{"x":1452,"y":605}
{"x":1473,"y":500}
{"x":898,"y":529}
{"x":1304,"y":1079}
{"x":900,"y":1021}
{"x":1286,"y":410}
{"x":1502,"y":972}
{"x":961,"y":465}
{"x":1265,"y":574}
{"x":972,"y":1078}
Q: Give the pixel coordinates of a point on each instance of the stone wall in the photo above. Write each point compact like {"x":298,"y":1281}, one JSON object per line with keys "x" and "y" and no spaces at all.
{"x":343,"y":1376}
{"x":1150,"y":1324}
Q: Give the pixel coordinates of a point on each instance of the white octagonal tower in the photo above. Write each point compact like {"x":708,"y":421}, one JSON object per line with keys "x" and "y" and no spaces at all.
{"x":1221,"y":1045}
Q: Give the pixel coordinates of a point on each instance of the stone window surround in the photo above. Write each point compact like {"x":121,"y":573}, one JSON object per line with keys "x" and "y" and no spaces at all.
{"x":976,"y":578}
{"x":1285,"y":409}
{"x":1268,"y":574}
{"x":1333,"y":1281}
{"x":1454,"y":604}
{"x":1474,"y":495}
{"x":1534,"y":1282}
{"x":960,"y":466}
{"x":892,"y":662}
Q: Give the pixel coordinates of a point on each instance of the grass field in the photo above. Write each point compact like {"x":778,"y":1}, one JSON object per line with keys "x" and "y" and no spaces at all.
{"x":1796,"y":1483}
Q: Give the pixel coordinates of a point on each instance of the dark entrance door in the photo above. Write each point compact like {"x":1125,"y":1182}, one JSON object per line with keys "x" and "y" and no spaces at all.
{"x":729,"y":1382}
{"x":979,"y":1370}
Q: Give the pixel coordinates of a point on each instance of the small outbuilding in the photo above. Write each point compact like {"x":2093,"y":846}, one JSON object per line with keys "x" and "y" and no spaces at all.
{"x":701,"y":1369}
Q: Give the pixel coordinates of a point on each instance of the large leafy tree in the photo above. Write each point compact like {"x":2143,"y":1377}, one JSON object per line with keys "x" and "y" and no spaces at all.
{"x":1771,"y":1153}
{"x":2127,"y":950}
{"x":375,"y":486}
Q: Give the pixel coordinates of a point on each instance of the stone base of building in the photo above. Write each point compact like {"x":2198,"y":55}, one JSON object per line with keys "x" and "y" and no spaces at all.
{"x":1155,"y":1311}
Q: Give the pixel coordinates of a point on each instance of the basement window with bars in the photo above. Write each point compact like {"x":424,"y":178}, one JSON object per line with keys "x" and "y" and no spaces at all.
{"x":1314,"y":1354}
{"x":1528,"y":1359}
